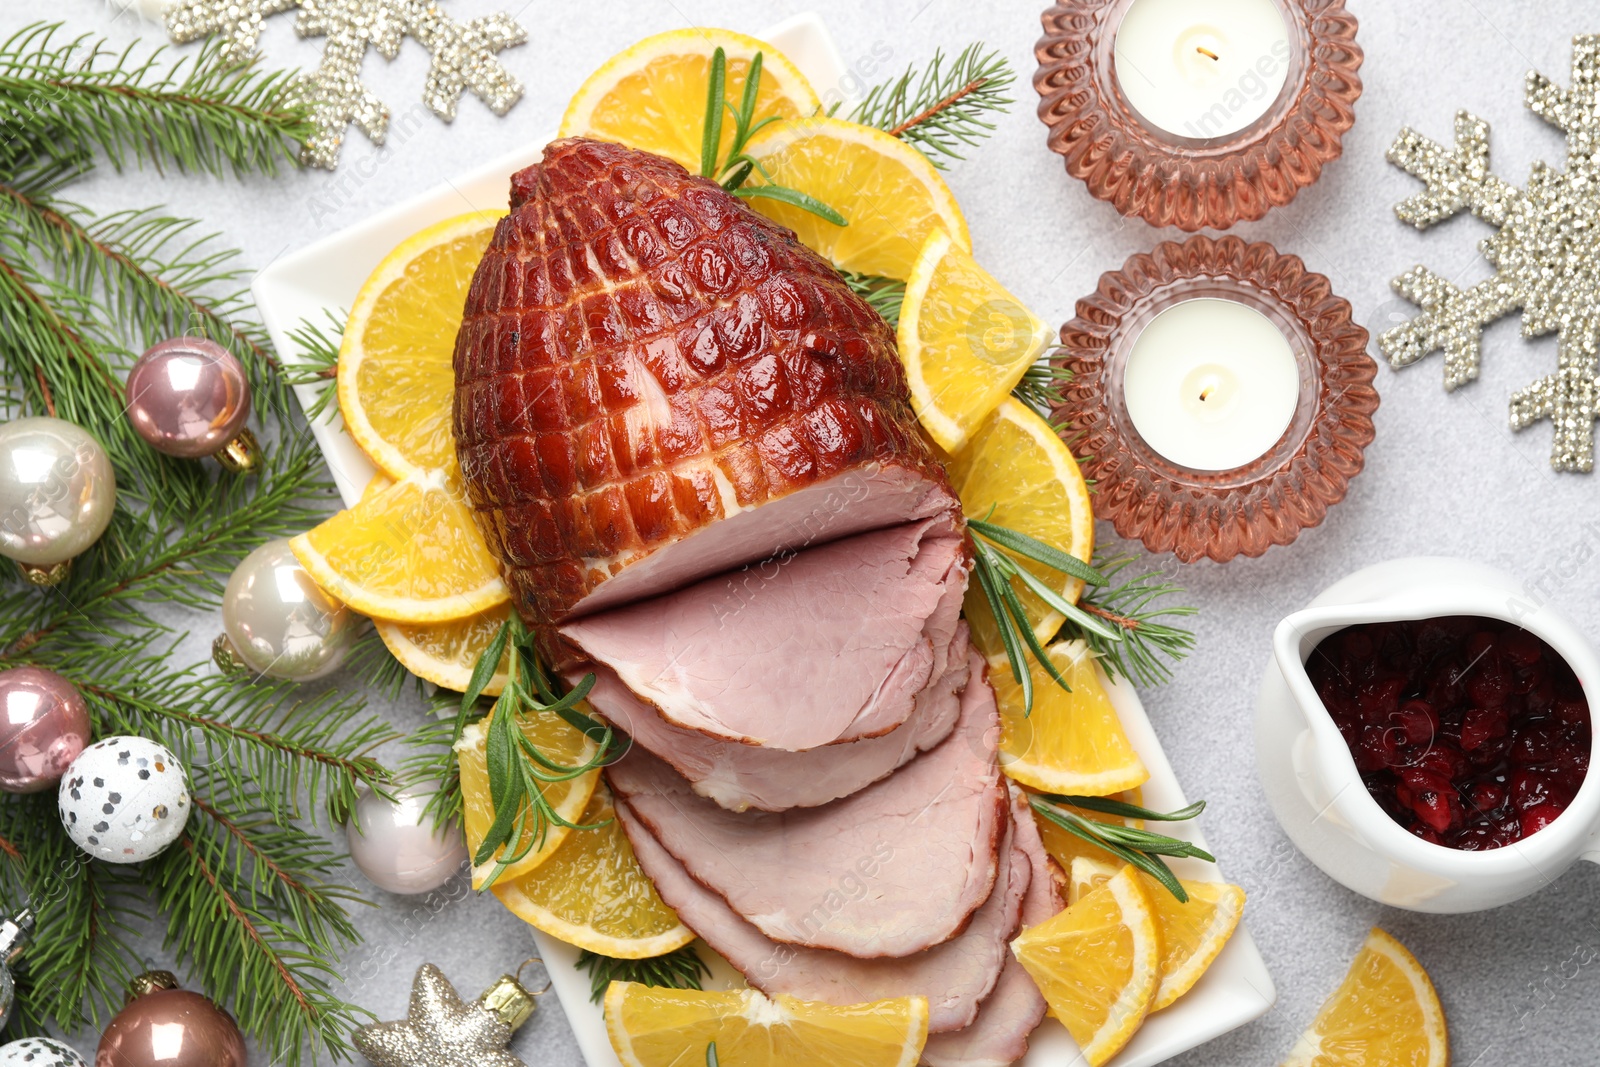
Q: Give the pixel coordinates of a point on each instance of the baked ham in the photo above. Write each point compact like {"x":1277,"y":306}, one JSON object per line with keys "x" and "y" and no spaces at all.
{"x":831,"y":644}
{"x":655,"y":384}
{"x":954,"y":976}
{"x":740,"y":777}
{"x":1015,"y":1008}
{"x":948,"y":808}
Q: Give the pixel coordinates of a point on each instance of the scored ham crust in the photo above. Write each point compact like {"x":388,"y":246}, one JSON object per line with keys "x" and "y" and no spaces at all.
{"x":654,"y":384}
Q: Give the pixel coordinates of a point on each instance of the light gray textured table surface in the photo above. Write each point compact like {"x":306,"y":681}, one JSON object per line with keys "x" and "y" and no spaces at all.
{"x":1445,"y":475}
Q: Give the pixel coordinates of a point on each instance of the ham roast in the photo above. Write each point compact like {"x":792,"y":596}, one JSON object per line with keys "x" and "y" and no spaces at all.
{"x":812,"y":648}
{"x":740,"y":777}
{"x":691,"y":449}
{"x":1015,"y":1008}
{"x":942,"y":817}
{"x":955,"y":976}
{"x":655,"y":384}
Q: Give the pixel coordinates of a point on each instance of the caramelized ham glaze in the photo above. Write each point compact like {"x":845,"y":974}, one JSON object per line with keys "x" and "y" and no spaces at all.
{"x":655,"y":384}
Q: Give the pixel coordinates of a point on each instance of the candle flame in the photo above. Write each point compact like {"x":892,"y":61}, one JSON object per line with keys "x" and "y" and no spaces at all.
{"x":1208,"y":53}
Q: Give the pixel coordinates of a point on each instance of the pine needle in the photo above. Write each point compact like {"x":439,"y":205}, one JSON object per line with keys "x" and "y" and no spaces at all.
{"x":946,"y":108}
{"x":883,"y":295}
{"x":253,"y":907}
{"x":679,"y":969}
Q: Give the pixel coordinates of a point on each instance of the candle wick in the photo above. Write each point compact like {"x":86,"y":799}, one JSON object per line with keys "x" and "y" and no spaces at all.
{"x":1205,"y":394}
{"x":1208,"y":53}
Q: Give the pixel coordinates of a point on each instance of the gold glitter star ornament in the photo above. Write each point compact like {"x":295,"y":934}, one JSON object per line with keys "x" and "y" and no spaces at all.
{"x":441,"y":1030}
{"x":1546,"y":259}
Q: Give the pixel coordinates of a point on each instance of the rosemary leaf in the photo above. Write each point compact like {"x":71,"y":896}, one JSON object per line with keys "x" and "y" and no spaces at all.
{"x":795,"y":198}
{"x":1132,"y":844}
{"x":711,"y":136}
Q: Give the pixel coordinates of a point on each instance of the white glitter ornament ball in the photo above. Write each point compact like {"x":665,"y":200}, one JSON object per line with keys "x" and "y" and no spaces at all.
{"x":39,"y":1052}
{"x":124,"y":799}
{"x":152,"y":10}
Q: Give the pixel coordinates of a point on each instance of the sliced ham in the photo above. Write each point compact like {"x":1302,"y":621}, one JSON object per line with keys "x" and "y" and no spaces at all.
{"x":780,"y":871}
{"x":739,"y":776}
{"x":999,"y":1035}
{"x":955,"y":976}
{"x":827,"y":645}
{"x":655,"y":383}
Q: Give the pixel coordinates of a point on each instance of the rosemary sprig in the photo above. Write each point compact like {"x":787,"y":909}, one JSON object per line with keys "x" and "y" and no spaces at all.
{"x":1119,"y":624}
{"x":945,"y":109}
{"x":518,"y":771}
{"x":1142,"y":848}
{"x":1134,"y":607}
{"x":679,"y":969}
{"x":732,"y":173}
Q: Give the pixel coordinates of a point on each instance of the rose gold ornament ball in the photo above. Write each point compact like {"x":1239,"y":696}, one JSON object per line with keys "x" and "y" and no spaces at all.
{"x":171,"y":1028}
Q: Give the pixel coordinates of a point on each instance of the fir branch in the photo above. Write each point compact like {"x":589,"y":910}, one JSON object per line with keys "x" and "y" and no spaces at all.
{"x":679,"y":969}
{"x":157,"y":276}
{"x":945,"y":108}
{"x":318,"y":361}
{"x":1040,"y":389}
{"x":250,"y":901}
{"x":1136,"y":607}
{"x":199,"y":114}
{"x":262,"y":935}
{"x":883,"y":295}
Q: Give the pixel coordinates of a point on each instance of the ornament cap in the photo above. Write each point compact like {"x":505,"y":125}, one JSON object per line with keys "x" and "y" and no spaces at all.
{"x":240,"y":455}
{"x":226,"y":657}
{"x":14,"y":935}
{"x":150,"y":982}
{"x":509,"y":1001}
{"x":46,"y":575}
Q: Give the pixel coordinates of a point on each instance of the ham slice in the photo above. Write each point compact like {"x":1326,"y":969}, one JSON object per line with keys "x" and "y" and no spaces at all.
{"x":999,"y":1035}
{"x":955,"y":976}
{"x":655,"y":383}
{"x":740,"y":777}
{"x":786,"y":873}
{"x":827,"y":645}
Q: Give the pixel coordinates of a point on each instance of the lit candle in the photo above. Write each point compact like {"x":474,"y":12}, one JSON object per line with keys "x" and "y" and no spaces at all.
{"x":1211,"y":384}
{"x":1202,"y":68}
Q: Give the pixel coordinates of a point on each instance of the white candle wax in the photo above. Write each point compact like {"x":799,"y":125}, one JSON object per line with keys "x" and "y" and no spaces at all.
{"x":1202,"y":68}
{"x":1211,"y":384}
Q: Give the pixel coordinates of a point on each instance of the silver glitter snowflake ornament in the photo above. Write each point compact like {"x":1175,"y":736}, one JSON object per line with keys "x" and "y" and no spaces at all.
{"x":464,"y":57}
{"x":1546,"y":257}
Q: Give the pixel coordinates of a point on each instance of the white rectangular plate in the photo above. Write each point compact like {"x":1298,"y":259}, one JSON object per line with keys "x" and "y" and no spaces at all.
{"x":324,"y":277}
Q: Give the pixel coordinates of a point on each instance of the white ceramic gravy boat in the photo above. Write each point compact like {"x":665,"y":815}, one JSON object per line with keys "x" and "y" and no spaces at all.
{"x":1311,"y":779}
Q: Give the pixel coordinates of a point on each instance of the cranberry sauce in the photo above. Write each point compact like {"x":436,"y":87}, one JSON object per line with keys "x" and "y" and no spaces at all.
{"x":1469,"y":732}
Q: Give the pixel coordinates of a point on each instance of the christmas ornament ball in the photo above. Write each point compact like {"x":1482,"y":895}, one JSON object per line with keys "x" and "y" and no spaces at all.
{"x":397,"y":844}
{"x":169,"y":1027}
{"x":39,"y":1052}
{"x":124,"y":800}
{"x":57,"y":491}
{"x":188,"y":397}
{"x":279,"y":622}
{"x":44,"y":726}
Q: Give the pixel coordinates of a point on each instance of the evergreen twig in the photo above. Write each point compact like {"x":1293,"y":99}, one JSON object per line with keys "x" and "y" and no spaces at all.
{"x":250,"y":903}
{"x":883,"y":295}
{"x":679,"y":969}
{"x":946,"y":107}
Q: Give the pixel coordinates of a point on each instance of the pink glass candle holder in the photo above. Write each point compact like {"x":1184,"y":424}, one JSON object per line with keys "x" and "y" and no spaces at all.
{"x":1197,"y":511}
{"x":1206,"y":170}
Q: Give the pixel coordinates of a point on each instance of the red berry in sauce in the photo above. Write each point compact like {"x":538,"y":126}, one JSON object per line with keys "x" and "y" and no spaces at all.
{"x":1468,"y":732}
